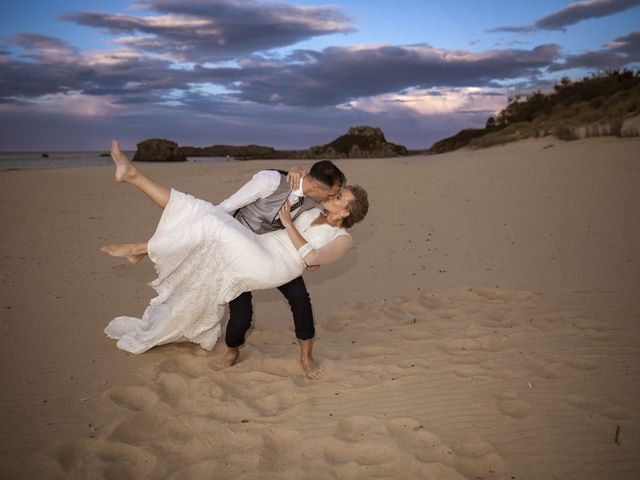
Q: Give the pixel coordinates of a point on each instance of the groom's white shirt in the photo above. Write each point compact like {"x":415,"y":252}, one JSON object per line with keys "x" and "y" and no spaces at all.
{"x":263,"y":184}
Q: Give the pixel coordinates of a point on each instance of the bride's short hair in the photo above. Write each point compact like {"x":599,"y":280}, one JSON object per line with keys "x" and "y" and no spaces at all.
{"x":358,"y":207}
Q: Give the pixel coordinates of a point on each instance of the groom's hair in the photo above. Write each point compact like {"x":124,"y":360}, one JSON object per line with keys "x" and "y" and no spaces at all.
{"x":327,"y":173}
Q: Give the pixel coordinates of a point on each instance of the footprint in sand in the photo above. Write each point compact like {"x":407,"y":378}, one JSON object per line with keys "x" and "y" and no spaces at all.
{"x":280,"y":449}
{"x":172,"y":387}
{"x":433,"y":300}
{"x":486,"y":343}
{"x":202,"y":470}
{"x":99,"y":458}
{"x":599,"y":327}
{"x":365,"y":452}
{"x":501,"y":317}
{"x":372,"y":351}
{"x":424,"y":445}
{"x":610,"y":410}
{"x":125,"y":461}
{"x":258,"y":394}
{"x":403,"y":309}
{"x":133,"y":397}
{"x":510,"y":404}
{"x":468,"y":371}
{"x":142,"y":427}
{"x":277,"y":404}
{"x":471,"y":456}
{"x":353,"y":429}
{"x":340,"y":321}
{"x":193,"y":366}
{"x":474,"y":457}
{"x":496,"y":295}
{"x":560,"y":367}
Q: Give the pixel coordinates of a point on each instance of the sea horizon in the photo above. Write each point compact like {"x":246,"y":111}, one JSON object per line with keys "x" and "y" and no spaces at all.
{"x":34,"y":159}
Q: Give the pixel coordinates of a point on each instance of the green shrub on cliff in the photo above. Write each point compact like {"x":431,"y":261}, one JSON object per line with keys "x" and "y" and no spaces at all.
{"x":595,"y":105}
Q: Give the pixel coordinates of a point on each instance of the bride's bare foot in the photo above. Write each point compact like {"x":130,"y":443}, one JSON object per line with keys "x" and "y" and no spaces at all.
{"x":231,"y":357}
{"x":124,"y":250}
{"x":133,"y":259}
{"x":311,"y":368}
{"x":125,"y":171}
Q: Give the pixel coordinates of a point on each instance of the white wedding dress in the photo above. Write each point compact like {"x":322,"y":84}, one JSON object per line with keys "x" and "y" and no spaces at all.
{"x":205,"y":258}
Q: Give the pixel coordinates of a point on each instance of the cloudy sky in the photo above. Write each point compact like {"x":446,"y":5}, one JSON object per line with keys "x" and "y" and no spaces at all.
{"x":290,"y":74}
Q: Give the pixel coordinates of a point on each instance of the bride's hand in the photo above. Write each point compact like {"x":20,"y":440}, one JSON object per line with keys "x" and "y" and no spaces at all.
{"x":285,"y":214}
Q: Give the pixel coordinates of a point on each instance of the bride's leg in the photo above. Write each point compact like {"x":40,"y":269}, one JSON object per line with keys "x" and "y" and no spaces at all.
{"x":134,"y":252}
{"x":127,"y":172}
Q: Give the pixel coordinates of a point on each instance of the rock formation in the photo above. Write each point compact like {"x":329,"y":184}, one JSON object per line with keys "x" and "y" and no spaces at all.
{"x":158,"y":150}
{"x":358,"y":142}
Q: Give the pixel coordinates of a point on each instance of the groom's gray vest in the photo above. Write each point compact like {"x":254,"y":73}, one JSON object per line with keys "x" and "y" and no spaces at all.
{"x":260,"y":216}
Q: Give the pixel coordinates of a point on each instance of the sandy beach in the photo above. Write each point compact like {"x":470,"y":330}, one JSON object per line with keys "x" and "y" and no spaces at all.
{"x":484,"y":326}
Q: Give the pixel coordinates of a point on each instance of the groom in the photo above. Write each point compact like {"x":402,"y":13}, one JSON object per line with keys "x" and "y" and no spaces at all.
{"x":256,"y":205}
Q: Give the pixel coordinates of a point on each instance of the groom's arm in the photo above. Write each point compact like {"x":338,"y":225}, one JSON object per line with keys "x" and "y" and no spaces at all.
{"x":262,"y":185}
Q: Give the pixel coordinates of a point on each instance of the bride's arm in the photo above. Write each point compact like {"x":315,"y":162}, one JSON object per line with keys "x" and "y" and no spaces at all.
{"x":285,"y":217}
{"x":328,"y":253}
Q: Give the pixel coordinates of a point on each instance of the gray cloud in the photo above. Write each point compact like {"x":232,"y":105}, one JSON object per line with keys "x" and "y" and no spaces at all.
{"x":627,"y":44}
{"x":45,"y":48}
{"x":572,"y":14}
{"x":513,"y":29}
{"x":339,"y":74}
{"x":618,"y":53}
{"x":55,"y":67}
{"x":578,"y":11}
{"x":595,"y":60}
{"x":205,"y":31}
{"x":330,"y":77}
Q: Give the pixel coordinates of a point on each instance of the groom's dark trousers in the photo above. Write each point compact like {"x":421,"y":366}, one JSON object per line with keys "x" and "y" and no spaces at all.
{"x":241,"y":313}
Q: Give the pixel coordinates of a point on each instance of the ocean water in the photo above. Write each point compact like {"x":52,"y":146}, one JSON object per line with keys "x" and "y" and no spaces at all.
{"x":31,"y":160}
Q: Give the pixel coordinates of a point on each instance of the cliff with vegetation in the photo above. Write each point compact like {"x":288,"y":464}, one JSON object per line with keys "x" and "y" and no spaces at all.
{"x":599,"y":105}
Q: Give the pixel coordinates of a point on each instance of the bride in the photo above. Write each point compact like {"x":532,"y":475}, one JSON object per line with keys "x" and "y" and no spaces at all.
{"x":205,"y":258}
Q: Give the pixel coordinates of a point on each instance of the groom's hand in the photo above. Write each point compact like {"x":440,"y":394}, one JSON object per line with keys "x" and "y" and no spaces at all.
{"x":294,"y":175}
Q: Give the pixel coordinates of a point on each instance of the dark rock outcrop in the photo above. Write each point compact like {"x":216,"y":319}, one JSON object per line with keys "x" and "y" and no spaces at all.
{"x":158,"y":150}
{"x":358,"y":142}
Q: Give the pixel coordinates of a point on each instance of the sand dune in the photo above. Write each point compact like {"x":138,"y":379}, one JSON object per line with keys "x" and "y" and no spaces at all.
{"x":484,"y":326}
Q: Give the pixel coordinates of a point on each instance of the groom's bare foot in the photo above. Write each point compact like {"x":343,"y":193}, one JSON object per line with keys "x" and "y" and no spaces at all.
{"x":124,"y":250}
{"x":311,"y":368}
{"x":125,"y":171}
{"x":231,"y":357}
